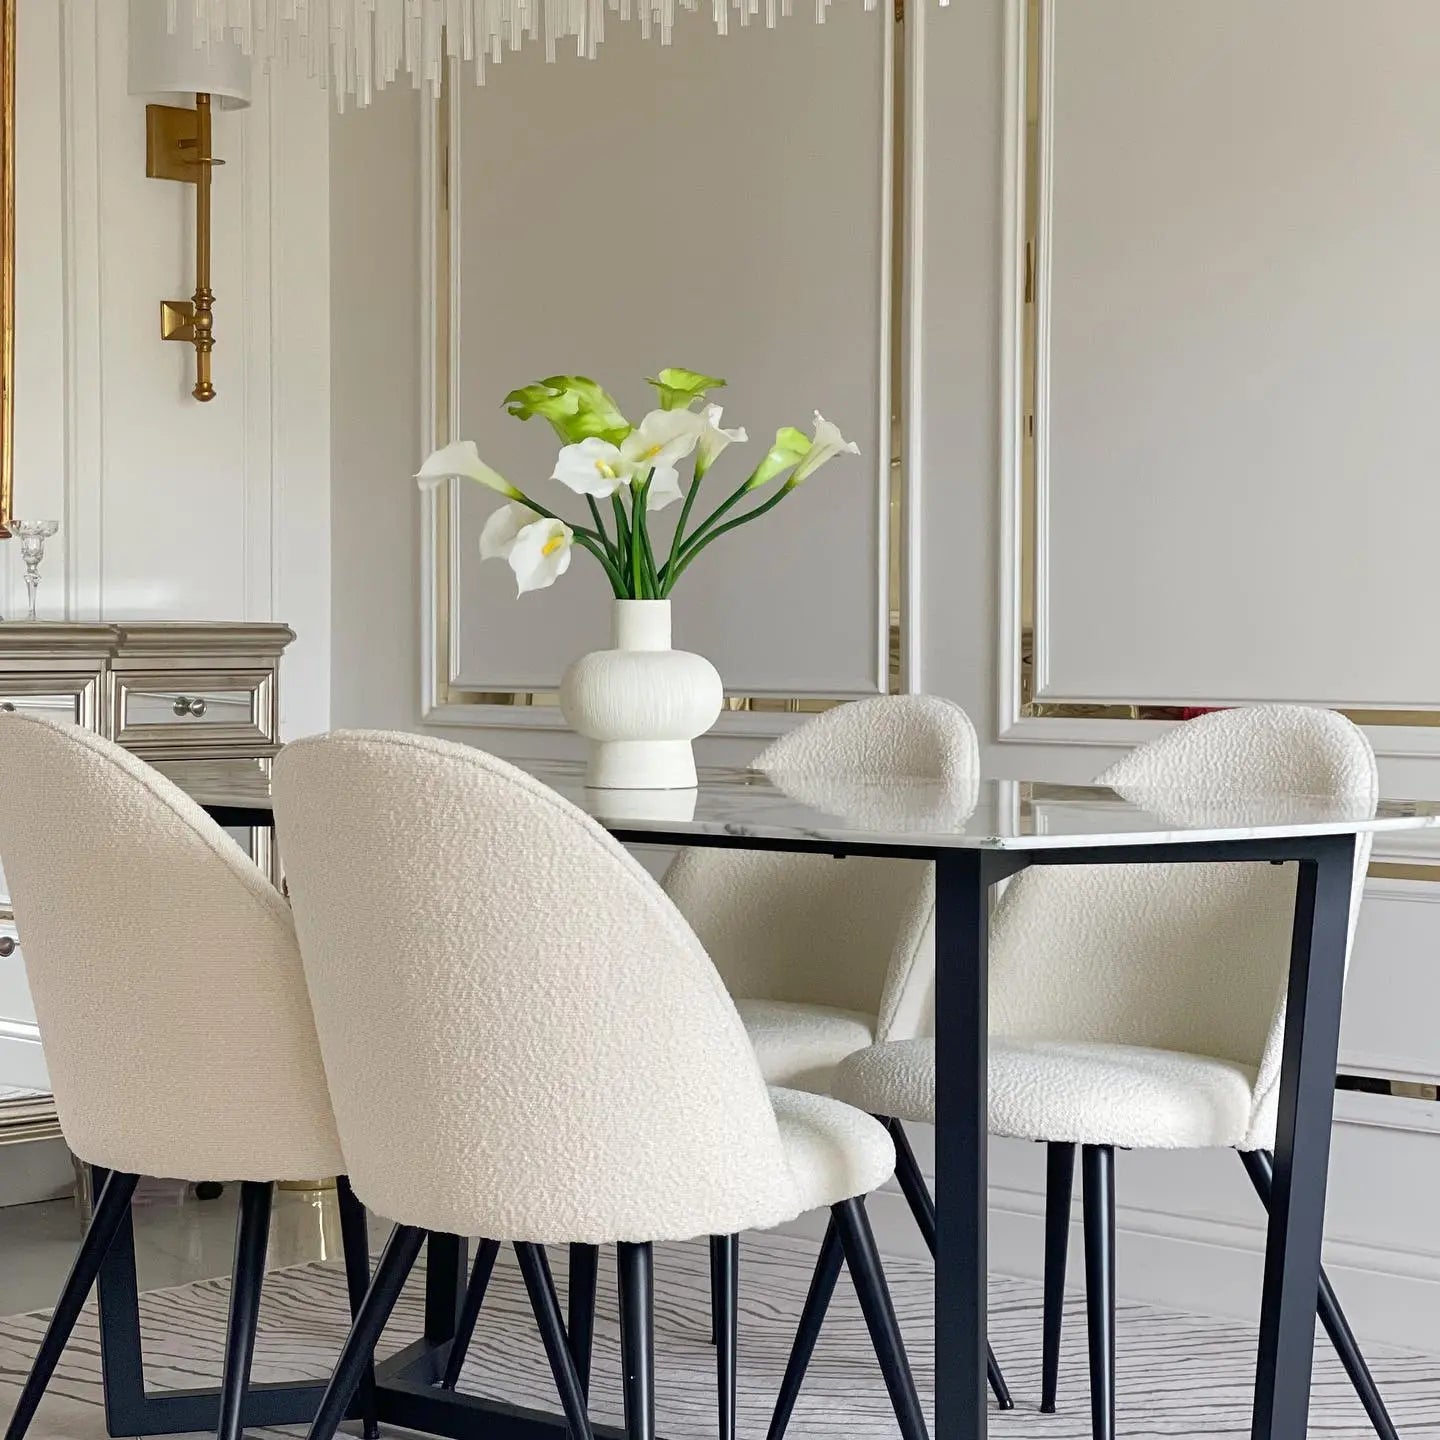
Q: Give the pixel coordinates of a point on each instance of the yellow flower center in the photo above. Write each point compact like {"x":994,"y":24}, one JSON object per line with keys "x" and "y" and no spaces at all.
{"x":552,"y":545}
{"x":605,"y":469}
{"x":652,"y":452}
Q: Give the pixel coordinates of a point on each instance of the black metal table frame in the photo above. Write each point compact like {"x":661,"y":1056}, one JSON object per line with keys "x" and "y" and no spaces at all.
{"x":408,"y":1394}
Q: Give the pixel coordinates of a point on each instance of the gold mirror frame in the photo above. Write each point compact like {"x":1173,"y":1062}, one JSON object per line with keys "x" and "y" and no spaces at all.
{"x":7,"y":262}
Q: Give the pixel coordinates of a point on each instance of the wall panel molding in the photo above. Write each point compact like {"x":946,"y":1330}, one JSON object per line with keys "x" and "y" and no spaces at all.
{"x":1030,"y":708}
{"x":449,"y":696}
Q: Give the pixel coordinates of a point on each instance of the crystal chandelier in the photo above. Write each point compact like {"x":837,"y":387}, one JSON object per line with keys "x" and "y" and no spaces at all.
{"x":359,"y":46}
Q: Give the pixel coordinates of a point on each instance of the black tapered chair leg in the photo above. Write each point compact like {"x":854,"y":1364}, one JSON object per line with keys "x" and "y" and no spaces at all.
{"x":470,"y":1312}
{"x":1260,"y":1167}
{"x":110,"y":1211}
{"x":540,"y":1285}
{"x":635,"y":1266}
{"x":1097,"y":1163}
{"x":355,"y":1245}
{"x":401,"y":1252}
{"x":1059,"y":1189}
{"x":252,"y":1235}
{"x":584,"y":1271}
{"x":863,"y":1260}
{"x":725,"y":1249}
{"x":922,"y":1207}
{"x":715,"y":1265}
{"x":812,"y":1318}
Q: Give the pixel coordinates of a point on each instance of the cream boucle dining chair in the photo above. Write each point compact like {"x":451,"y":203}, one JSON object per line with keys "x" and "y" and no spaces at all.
{"x":172,"y":1006}
{"x":525,"y":1041}
{"x":1143,"y":1007}
{"x":825,"y":956}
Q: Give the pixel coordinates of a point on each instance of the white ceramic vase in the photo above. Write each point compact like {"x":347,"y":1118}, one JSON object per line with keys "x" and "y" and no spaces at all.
{"x":642,"y":703}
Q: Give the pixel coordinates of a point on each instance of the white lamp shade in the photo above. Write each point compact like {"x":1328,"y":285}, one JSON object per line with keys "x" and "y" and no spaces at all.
{"x":174,"y":65}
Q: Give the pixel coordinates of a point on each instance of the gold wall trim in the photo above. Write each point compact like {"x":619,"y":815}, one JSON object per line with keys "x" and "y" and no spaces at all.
{"x":1031,"y":436}
{"x":1392,"y":1089}
{"x":1404,"y":870}
{"x":895,"y":678}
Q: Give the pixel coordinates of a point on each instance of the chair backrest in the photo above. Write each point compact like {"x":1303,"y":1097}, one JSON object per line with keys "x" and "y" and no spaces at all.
{"x":1179,"y":957}
{"x":524,"y":1039}
{"x":167,"y":982}
{"x":855,"y":934}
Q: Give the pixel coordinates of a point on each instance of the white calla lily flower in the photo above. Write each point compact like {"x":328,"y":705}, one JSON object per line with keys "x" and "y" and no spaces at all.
{"x":664,"y":488}
{"x":662,"y":438}
{"x":713,"y":439}
{"x":461,"y":461}
{"x":501,"y":529}
{"x":827,"y":444}
{"x":540,"y":554}
{"x":593,"y":467}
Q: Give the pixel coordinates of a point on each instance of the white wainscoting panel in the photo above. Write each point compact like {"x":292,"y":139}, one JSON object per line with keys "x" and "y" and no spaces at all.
{"x":1235,"y":454}
{"x":720,"y":204}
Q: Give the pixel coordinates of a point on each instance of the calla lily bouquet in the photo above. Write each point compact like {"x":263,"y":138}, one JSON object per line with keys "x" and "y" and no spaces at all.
{"x":636,"y":468}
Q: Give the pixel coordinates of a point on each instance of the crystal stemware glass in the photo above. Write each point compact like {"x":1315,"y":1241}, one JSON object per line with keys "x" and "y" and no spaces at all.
{"x":32,"y":535}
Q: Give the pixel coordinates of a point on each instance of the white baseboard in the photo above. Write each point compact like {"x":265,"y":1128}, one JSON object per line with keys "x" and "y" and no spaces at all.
{"x":1201,"y":1266}
{"x":1212,"y":1268}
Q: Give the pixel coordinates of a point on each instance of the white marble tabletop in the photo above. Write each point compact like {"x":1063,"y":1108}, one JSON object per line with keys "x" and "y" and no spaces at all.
{"x":988,"y":815}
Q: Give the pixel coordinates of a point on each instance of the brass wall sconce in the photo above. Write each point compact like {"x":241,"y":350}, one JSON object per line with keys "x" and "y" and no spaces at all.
{"x":179,"y":146}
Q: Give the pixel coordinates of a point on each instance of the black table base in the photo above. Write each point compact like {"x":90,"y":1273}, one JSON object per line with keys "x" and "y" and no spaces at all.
{"x":408,"y":1393}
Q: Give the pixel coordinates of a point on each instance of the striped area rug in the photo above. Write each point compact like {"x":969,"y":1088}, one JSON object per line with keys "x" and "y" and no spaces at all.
{"x":1179,"y":1375}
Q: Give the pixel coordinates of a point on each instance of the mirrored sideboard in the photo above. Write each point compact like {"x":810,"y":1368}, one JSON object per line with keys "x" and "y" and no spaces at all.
{"x":180,"y":694}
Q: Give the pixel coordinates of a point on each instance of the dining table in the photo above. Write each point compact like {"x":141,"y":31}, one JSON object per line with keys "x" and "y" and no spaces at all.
{"x":977,"y":835}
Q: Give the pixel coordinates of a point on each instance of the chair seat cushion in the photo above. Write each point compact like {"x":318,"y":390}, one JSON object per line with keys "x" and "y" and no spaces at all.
{"x":835,"y":1152}
{"x":896,"y":1079}
{"x":799,"y":1046}
{"x":1090,"y":1093}
{"x":1126,"y":1095}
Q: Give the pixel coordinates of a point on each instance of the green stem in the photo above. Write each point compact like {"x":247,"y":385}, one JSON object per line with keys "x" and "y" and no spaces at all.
{"x":675,"y":539}
{"x":759,"y":510}
{"x":712,"y":517}
{"x":617,"y":584}
{"x":600,"y":526}
{"x":622,"y":531}
{"x":652,"y":575}
{"x":637,"y":541}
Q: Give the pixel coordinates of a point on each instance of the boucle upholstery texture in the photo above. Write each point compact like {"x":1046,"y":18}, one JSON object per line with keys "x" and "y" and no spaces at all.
{"x":800,"y":1045}
{"x":523,"y":1037}
{"x":167,"y":982}
{"x":1187,"y":959}
{"x":822,"y":935}
{"x":1125,"y":1092}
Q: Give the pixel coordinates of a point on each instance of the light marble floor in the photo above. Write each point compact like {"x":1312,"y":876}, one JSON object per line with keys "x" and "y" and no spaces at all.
{"x":177,"y":1239}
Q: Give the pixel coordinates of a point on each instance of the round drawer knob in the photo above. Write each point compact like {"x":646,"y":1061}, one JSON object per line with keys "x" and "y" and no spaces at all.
{"x":197,"y":707}
{"x":188,"y":705}
{"x":8,"y":705}
{"x":7,"y":947}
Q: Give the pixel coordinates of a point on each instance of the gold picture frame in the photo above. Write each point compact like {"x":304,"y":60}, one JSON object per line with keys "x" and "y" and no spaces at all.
{"x":7,"y":262}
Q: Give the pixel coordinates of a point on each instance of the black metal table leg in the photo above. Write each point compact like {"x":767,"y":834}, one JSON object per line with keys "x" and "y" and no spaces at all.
{"x":1302,"y":1148}
{"x":962,"y":933}
{"x":132,"y":1410}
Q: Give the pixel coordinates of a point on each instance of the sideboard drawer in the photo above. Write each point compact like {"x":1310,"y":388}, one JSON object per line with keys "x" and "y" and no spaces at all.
{"x":176,"y":713}
{"x":67,"y":698}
